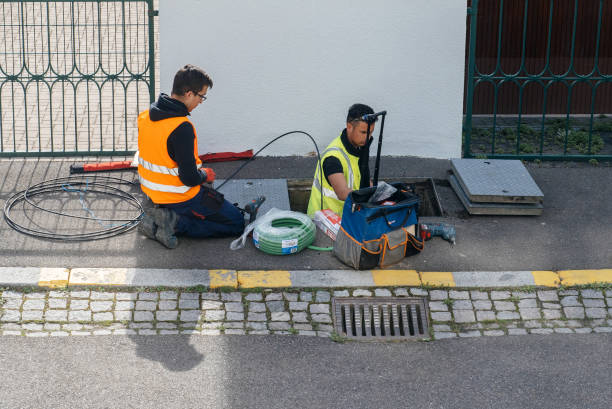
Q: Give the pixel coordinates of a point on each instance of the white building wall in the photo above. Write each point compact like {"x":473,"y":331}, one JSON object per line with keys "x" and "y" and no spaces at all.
{"x":282,"y":65}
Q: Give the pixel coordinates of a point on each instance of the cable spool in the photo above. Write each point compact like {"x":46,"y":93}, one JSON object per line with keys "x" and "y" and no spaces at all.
{"x":289,"y":233}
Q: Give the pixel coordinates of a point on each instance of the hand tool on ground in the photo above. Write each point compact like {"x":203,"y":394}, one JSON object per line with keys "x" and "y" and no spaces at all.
{"x":252,"y":208}
{"x":444,"y":230}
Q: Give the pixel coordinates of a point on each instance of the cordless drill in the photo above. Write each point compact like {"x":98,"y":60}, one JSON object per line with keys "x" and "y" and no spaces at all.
{"x":444,"y":230}
{"x":253,"y":206}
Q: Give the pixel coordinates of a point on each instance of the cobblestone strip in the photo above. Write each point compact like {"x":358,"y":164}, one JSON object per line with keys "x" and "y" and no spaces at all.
{"x":454,"y":313}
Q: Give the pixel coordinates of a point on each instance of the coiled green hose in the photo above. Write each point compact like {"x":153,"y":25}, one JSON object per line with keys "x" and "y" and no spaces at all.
{"x":285,"y":235}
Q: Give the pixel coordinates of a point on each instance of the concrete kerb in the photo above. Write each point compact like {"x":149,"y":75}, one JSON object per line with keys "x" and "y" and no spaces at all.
{"x":256,"y":279}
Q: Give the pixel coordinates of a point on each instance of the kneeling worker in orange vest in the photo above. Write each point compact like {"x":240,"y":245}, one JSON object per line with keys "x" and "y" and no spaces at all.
{"x":345,"y":163}
{"x":171,"y":173}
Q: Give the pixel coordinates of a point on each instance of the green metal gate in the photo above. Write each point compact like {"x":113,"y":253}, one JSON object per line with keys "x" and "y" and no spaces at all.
{"x":74,"y":75}
{"x":576,"y":76}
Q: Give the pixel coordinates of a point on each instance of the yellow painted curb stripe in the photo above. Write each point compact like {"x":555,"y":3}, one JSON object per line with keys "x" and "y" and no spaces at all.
{"x":546,"y":278}
{"x":223,"y":278}
{"x":385,"y":278}
{"x":261,"y":278}
{"x":578,"y":277}
{"x":53,"y":277}
{"x":438,"y":278}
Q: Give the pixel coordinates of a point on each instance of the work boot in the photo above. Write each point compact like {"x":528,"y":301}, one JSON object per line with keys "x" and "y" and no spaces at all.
{"x":147,"y":225}
{"x":166,"y":220}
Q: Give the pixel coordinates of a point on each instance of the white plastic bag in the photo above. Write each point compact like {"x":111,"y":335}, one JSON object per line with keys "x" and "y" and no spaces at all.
{"x":383,"y":191}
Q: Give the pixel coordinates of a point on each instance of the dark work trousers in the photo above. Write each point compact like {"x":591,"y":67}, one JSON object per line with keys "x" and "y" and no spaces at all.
{"x":196,"y":219}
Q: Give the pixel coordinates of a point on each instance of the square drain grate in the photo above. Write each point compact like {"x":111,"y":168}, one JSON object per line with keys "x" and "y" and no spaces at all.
{"x":381,"y":318}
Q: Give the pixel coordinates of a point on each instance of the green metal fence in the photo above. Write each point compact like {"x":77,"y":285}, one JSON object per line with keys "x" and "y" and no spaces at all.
{"x":74,"y":75}
{"x":574,"y":134}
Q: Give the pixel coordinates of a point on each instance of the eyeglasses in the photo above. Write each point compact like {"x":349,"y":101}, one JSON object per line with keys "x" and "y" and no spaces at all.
{"x":202,"y":97}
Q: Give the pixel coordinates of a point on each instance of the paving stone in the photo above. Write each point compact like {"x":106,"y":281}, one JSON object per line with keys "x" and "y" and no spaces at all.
{"x":213,"y":325}
{"x":146,"y":306}
{"x":493,"y":333}
{"x":59,"y":334}
{"x":437,"y":306}
{"x":274,"y":297}
{"x":37,"y":334}
{"x":482,"y":305}
{"x":322,"y":296}
{"x":508,"y":315}
{"x":298,"y":306}
{"x":319,"y":308}
{"x":257,"y":307}
{"x":570,"y":301}
{"x":253,"y":297}
{"x":517,"y":331}
{"x":166,"y":315}
{"x":278,"y":326}
{"x":548,"y":295}
{"x":523,"y":295}
{"x":259,"y":332}
{"x":504,"y":306}
{"x":527,"y":303}
{"x":603,"y":329}
{"x":321,"y":318}
{"x":479,"y":295}
{"x":462,"y":305}
{"x":145,"y":296}
{"x":143,"y":316}
{"x":12,"y":294}
{"x":233,"y":324}
{"x":464,"y":316}
{"x":609,"y":293}
{"x":596,"y":322}
{"x":32,"y":327}
{"x":235,"y":316}
{"x":10,"y":316}
{"x":444,"y":335}
{"x":79,"y":294}
{"x":568,"y":292}
{"x":419,"y":292}
{"x":235,"y":332}
{"x":126,"y":296}
{"x":596,"y":312}
{"x":574,"y":312}
{"x":563,"y":330}
{"x":609,"y":302}
{"x":583,"y":330}
{"x":235,"y":296}
{"x":72,"y":327}
{"x":147,"y":332}
{"x":441,"y":316}
{"x":35,"y":296}
{"x":593,"y":303}
{"x":13,"y":303}
{"x":591,"y":293}
{"x":551,"y":314}
{"x":500,"y":295}
{"x":530,"y":313}
{"x":58,"y":303}
{"x":211,"y":315}
{"x":212,"y":296}
{"x":103,"y":316}
{"x":211,"y":305}
{"x":470,"y":334}
{"x":165,"y":325}
{"x":459,"y":295}
{"x":303,"y":327}
{"x":571,"y":323}
{"x":168,"y":295}
{"x":551,"y":306}
{"x":400,"y":292}
{"x":325,"y":327}
{"x":99,"y":306}
{"x":52,"y":327}
{"x":307,"y":333}
{"x":189,"y":304}
{"x":280,"y":316}
{"x":124,"y":331}
{"x":96,"y":295}
{"x":234,"y":307}
{"x":290,"y":296}
{"x":276,"y":306}
{"x":79,"y":304}
{"x":168,"y":332}
{"x":33,"y":305}
{"x":323,"y":334}
{"x":441,"y":327}
{"x":32,"y":315}
{"x":56,"y":315}
{"x":541,"y":331}
{"x":74,"y":316}
{"x":382,"y":292}
{"x":438,"y":294}
{"x":362,"y":293}
{"x":485,"y":315}
{"x":256,"y":325}
{"x":299,"y":317}
{"x":167,"y":305}
{"x":254,"y":316}
{"x":210,"y":332}
{"x":123,"y":315}
{"x":338,"y":293}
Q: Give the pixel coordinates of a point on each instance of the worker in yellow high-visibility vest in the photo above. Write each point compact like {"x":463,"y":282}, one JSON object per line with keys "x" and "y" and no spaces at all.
{"x":171,"y":173}
{"x":345,"y":163}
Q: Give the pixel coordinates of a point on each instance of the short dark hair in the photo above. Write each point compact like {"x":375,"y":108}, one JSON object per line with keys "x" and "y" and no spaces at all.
{"x":357,"y":111}
{"x":190,"y":78}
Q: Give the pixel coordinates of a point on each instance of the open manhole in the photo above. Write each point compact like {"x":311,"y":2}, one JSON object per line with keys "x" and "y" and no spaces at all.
{"x":381,"y":318}
{"x":425,"y":188}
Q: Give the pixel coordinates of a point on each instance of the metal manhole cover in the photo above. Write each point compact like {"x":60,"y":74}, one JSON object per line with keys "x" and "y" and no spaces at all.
{"x":381,"y":318}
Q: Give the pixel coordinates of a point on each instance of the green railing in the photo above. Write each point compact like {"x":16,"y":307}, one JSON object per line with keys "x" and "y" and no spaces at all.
{"x":570,"y":133}
{"x":74,"y":75}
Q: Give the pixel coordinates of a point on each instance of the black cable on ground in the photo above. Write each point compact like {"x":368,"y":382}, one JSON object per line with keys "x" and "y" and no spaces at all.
{"x":98,"y":184}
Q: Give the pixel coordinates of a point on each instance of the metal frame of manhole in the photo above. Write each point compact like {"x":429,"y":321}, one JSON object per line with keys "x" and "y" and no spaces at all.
{"x":381,"y":318}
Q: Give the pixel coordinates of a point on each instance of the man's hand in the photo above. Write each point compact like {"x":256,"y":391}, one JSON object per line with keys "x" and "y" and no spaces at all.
{"x":210,"y":175}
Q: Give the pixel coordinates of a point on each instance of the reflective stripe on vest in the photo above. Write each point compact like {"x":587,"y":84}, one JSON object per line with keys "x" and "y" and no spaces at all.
{"x":160,"y":169}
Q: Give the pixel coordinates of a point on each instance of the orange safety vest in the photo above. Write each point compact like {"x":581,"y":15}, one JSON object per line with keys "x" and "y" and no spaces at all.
{"x":157,"y":172}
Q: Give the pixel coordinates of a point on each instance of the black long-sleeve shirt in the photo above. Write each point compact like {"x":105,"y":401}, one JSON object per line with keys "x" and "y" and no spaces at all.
{"x":333,"y":165}
{"x":181,"y":141}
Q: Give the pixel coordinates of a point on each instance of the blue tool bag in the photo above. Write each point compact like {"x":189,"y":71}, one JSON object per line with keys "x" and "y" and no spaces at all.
{"x":378,"y":233}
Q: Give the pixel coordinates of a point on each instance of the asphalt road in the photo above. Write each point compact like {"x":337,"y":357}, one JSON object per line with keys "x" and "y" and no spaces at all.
{"x":573,"y":232}
{"x":300,"y":372}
